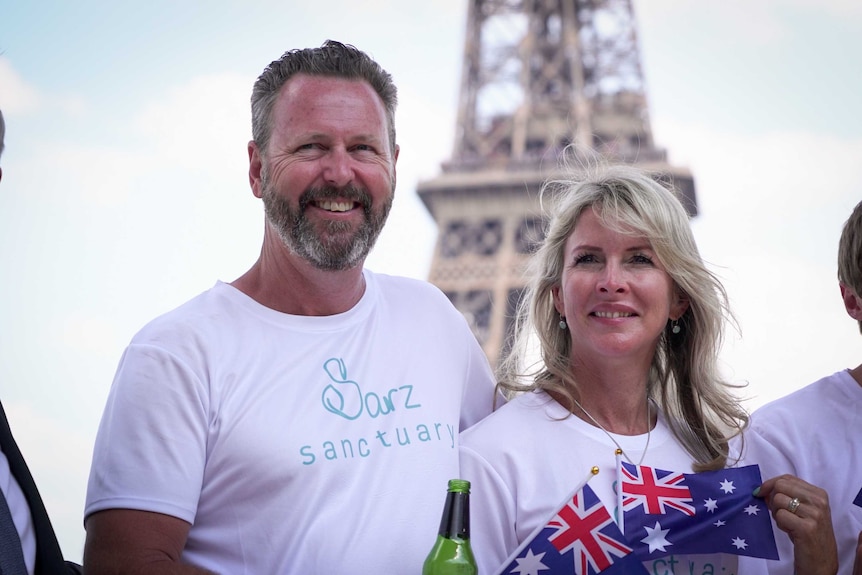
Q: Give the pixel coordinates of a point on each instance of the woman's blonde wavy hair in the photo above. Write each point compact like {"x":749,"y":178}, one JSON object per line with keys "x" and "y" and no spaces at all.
{"x":701,"y":410}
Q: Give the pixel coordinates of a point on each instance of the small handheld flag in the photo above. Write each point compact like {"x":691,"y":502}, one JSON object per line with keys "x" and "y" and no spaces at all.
{"x":580,"y":539}
{"x":669,"y":512}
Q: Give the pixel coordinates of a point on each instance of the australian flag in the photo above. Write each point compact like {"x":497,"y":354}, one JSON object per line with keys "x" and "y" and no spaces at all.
{"x":668,"y":512}
{"x":580,"y":539}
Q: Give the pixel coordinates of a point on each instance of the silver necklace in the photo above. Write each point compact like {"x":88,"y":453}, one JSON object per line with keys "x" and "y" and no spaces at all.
{"x":621,"y":450}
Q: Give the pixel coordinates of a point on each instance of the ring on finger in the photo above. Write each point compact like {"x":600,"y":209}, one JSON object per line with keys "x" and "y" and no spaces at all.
{"x":793,"y":505}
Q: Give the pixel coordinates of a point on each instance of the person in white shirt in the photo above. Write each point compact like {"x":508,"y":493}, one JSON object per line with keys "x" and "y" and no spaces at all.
{"x":303,"y":418}
{"x":615,"y":351}
{"x":816,"y":433}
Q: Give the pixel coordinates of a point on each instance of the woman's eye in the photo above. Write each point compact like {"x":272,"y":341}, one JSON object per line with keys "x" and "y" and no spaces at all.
{"x":642,"y":259}
{"x":585,"y":259}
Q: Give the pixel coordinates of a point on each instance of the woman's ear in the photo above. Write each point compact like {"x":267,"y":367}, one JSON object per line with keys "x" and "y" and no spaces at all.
{"x":679,"y":305}
{"x":558,"y":301}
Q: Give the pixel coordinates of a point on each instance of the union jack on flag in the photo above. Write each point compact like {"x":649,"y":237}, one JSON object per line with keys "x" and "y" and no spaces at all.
{"x":579,"y":529}
{"x":655,"y":490}
{"x":580,"y":539}
{"x":670,"y":513}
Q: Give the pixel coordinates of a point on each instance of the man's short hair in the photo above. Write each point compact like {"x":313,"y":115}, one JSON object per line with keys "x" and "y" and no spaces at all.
{"x":850,"y":253}
{"x":333,"y":59}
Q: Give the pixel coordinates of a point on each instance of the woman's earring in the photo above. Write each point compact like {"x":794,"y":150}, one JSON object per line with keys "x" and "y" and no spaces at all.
{"x":675,"y":327}
{"x":563,"y":324}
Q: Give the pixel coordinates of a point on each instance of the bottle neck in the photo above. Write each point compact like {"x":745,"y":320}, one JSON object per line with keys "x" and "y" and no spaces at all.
{"x":455,"y":523}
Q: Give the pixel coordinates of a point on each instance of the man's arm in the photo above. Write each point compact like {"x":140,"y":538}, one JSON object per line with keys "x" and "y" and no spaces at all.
{"x":857,"y":565}
{"x":126,"y":541}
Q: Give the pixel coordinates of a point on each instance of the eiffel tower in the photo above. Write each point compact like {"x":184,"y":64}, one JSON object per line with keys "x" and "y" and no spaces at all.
{"x":538,"y":77}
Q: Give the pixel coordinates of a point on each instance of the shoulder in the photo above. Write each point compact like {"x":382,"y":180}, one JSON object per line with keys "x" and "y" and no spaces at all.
{"x":401,"y":286}
{"x":523,"y":416}
{"x":419,"y":300}
{"x":809,"y":400}
{"x":810,"y":416}
{"x":204,"y":318}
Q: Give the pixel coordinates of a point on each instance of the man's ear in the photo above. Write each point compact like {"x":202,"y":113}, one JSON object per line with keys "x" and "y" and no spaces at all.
{"x":255,"y":167}
{"x":852,"y":303}
{"x":394,"y":162}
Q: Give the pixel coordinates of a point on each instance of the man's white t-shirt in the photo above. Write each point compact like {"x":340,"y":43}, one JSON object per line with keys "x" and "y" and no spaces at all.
{"x":814,"y":433}
{"x":295,"y":444}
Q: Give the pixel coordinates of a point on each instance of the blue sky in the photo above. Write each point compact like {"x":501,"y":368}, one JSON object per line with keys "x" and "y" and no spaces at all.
{"x":125,"y":191}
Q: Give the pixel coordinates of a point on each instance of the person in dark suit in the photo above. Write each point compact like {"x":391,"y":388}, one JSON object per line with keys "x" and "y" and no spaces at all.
{"x":28,"y":545}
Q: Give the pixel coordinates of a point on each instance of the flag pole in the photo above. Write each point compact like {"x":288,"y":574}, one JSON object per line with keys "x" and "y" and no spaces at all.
{"x":594,"y":470}
{"x":620,"y":514}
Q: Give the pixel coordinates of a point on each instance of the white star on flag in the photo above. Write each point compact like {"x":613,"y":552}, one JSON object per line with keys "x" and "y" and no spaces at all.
{"x":739,"y":543}
{"x":530,"y":564}
{"x":720,"y":523}
{"x":751,"y":510}
{"x":727,"y":486}
{"x":711,"y":505}
{"x":656,"y":538}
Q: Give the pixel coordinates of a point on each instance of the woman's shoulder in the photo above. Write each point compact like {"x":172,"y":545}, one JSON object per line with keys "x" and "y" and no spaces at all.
{"x":526,"y":414}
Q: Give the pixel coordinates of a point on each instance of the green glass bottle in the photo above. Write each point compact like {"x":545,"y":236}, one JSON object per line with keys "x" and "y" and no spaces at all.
{"x":452,"y":554}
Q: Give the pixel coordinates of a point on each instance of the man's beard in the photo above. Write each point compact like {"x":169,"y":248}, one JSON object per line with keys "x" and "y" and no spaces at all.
{"x":334,"y":248}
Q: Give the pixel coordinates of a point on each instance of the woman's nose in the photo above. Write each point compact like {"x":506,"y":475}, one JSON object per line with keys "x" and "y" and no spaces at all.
{"x":612,"y":279}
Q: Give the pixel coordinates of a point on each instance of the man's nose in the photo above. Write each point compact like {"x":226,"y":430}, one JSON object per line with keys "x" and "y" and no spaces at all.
{"x":338,"y":168}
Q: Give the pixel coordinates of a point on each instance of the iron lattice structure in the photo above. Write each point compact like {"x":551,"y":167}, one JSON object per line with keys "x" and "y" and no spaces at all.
{"x":539,"y":78}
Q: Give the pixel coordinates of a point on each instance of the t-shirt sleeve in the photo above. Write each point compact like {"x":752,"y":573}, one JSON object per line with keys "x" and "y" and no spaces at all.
{"x":478,"y":398}
{"x":492,"y":515}
{"x":763,"y":446}
{"x":150,"y":450}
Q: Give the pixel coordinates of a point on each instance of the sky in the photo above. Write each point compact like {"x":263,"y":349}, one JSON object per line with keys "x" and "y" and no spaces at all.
{"x":125,"y":188}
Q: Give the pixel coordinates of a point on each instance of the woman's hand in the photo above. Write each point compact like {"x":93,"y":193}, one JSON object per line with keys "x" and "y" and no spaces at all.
{"x":802,"y":511}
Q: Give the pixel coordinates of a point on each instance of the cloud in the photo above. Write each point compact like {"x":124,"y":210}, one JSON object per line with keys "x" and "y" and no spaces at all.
{"x":85,"y":334}
{"x":16,"y":95}
{"x":840,"y":8}
{"x":786,"y":178}
{"x":95,"y":175}
{"x":19,"y":97}
{"x":761,"y":23}
{"x":202,"y":125}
